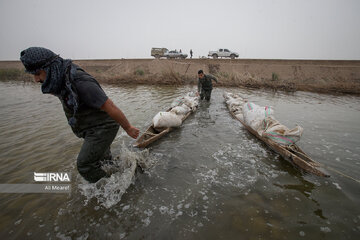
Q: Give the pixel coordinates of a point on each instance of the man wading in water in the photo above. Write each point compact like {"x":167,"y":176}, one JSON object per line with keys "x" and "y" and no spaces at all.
{"x":205,"y":85}
{"x":90,"y":113}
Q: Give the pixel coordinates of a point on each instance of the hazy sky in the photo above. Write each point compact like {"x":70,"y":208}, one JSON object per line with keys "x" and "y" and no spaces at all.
{"x":83,"y":29}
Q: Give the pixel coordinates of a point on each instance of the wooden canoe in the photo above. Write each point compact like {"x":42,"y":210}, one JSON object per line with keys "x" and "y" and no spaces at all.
{"x":291,"y":153}
{"x":151,"y":134}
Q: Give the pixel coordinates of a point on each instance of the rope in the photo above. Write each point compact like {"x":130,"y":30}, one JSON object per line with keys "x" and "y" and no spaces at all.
{"x":343,"y":174}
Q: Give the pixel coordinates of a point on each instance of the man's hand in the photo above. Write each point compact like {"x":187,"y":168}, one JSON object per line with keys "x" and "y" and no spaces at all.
{"x":119,"y":117}
{"x":133,"y":132}
{"x":197,"y":94}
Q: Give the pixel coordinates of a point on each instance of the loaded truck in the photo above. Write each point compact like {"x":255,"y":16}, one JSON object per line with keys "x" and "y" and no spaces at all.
{"x":164,"y":52}
{"x":223,"y":52}
{"x":159,"y":52}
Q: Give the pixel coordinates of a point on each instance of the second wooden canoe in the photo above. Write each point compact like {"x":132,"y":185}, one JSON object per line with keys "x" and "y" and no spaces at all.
{"x":292,"y":153}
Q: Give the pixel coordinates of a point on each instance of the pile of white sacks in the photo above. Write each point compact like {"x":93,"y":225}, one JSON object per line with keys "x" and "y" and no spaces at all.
{"x":235,"y":104}
{"x":179,"y":108}
{"x":261,"y":119}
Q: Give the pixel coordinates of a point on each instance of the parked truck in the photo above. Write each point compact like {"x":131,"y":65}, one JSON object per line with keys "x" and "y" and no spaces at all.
{"x":175,"y":54}
{"x":159,"y":52}
{"x":223,"y":52}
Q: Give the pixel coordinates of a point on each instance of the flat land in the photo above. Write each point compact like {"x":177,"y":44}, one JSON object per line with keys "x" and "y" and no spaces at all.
{"x":327,"y":76}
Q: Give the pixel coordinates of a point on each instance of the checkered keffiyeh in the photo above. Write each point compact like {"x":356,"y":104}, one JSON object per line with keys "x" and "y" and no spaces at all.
{"x":59,"y":74}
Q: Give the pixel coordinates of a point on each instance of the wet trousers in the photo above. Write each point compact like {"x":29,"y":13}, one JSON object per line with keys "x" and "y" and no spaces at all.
{"x":96,"y":148}
{"x":205,"y":94}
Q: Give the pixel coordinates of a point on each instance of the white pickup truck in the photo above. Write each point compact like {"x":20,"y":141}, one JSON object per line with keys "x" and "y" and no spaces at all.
{"x":223,"y":52}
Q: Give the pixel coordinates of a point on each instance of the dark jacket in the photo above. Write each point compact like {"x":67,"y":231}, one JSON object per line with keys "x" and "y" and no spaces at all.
{"x":89,"y":114}
{"x":205,"y":83}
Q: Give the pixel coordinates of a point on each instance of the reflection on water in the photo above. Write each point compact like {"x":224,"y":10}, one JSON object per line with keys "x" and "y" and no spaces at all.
{"x":306,"y":189}
{"x":209,"y":179}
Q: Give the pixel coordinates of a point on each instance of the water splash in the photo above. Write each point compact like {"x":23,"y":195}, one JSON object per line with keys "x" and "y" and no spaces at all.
{"x":108,"y":191}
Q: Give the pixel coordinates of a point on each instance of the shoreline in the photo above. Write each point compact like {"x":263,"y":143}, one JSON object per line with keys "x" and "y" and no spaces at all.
{"x":322,"y":76}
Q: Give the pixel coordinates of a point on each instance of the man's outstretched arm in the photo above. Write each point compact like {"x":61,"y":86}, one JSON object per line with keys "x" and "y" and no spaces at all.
{"x":213,"y":78}
{"x":115,"y":113}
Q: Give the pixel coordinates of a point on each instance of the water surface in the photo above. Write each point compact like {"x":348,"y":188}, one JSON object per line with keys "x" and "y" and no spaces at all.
{"x":211,"y":179}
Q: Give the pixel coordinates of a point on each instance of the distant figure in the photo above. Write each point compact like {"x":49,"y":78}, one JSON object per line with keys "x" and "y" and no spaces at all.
{"x":180,"y":50}
{"x":205,"y":85}
{"x":89,"y":111}
{"x":191,"y":53}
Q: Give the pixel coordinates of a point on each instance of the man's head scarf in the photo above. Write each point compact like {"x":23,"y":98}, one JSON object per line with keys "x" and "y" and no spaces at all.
{"x":59,"y":74}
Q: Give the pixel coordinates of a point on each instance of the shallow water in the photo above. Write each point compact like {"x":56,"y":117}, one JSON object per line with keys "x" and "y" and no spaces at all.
{"x":210,"y":179}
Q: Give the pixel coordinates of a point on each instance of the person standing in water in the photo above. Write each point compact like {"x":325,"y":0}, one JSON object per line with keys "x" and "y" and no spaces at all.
{"x":89,"y":111}
{"x":205,"y":85}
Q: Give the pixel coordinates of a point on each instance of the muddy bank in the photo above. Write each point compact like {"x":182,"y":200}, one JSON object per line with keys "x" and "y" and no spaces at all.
{"x":289,"y":75}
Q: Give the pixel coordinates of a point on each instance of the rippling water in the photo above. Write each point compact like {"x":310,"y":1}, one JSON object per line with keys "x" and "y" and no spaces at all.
{"x":210,"y":179}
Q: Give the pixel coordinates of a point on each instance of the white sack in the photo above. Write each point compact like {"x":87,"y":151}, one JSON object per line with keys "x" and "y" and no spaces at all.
{"x":180,"y":110}
{"x":166,"y":119}
{"x":234,"y":104}
{"x":254,"y":115}
{"x":191,"y":94}
{"x":239,"y":116}
{"x":177,"y":102}
{"x":282,"y":134}
{"x":191,"y":102}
